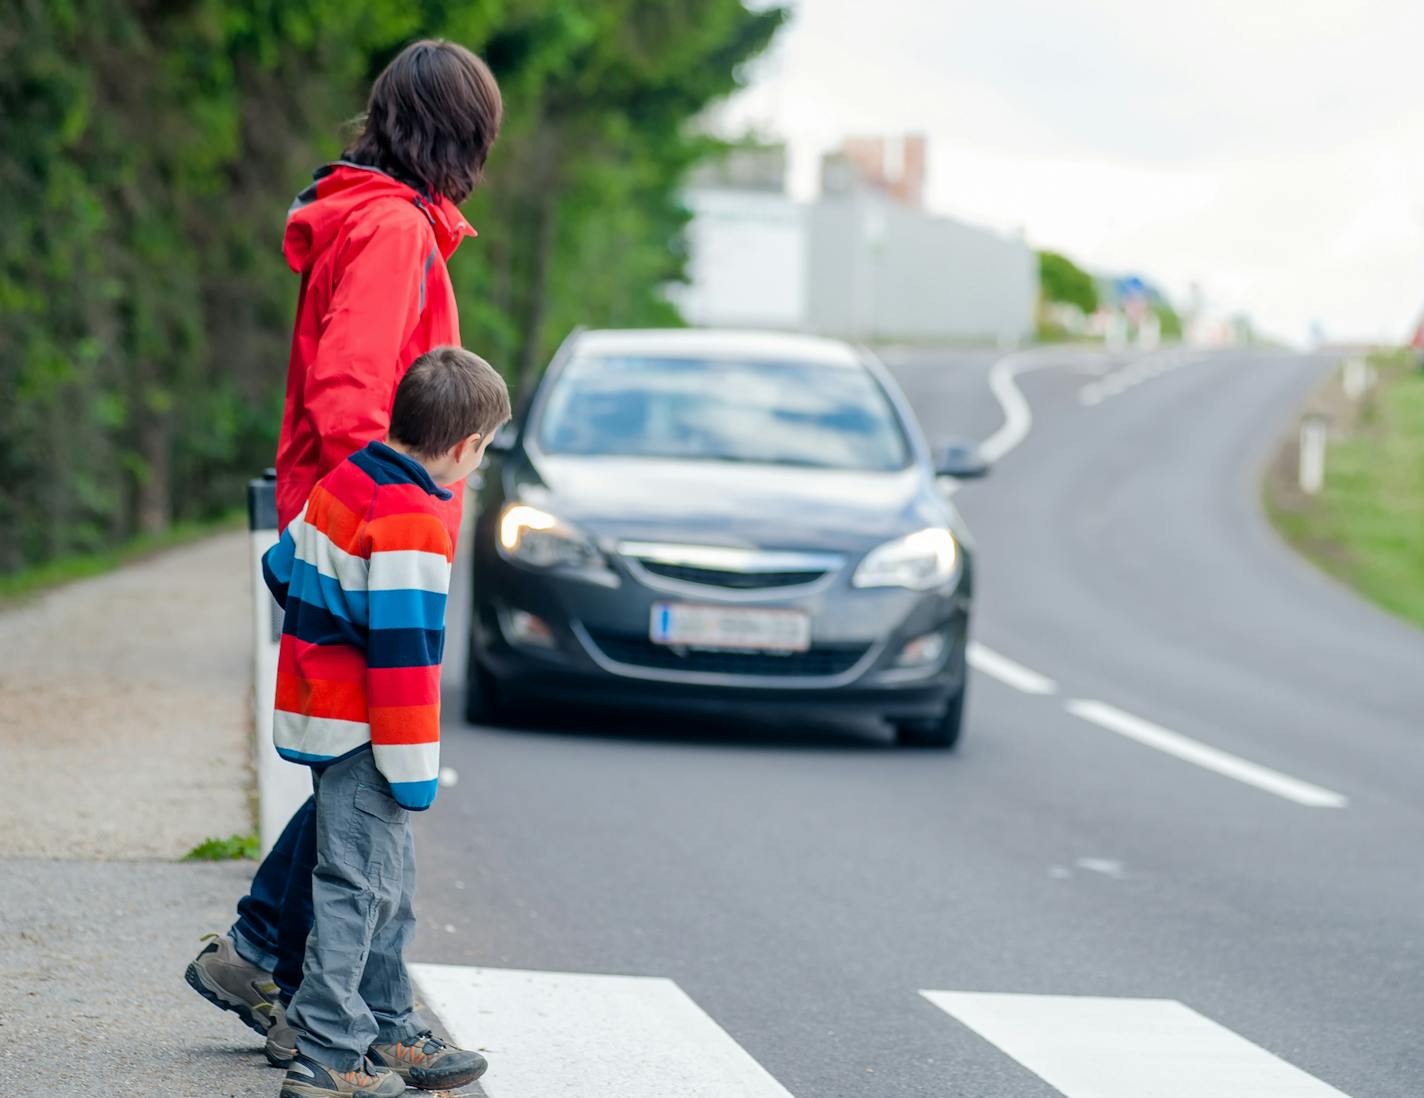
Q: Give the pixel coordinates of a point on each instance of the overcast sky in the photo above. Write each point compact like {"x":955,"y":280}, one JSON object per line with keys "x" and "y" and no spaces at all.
{"x":1270,"y":150}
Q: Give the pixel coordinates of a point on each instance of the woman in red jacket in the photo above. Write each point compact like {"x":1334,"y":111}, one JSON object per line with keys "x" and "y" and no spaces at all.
{"x":370,"y":238}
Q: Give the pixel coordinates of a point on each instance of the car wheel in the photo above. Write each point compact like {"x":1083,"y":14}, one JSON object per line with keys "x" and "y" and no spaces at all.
{"x":942,"y":731}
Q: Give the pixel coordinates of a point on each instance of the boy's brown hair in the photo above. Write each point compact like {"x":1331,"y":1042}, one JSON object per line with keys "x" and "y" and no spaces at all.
{"x":433,"y":114}
{"x":446,"y":396}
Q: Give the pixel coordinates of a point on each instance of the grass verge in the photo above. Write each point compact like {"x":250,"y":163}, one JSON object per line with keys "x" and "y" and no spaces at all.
{"x":233,"y":848}
{"x":1366,"y":526}
{"x":27,"y":582}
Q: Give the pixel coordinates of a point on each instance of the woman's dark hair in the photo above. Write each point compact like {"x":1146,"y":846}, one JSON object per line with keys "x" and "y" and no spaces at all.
{"x":434,"y":112}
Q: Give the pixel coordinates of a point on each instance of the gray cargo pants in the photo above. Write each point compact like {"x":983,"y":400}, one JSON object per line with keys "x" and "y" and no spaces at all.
{"x":355,"y":990}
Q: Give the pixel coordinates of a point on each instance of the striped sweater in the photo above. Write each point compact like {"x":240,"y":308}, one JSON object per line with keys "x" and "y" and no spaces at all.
{"x":363,"y":573}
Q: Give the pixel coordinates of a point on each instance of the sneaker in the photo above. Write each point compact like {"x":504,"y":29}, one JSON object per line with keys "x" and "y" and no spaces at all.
{"x":308,"y":1079}
{"x":281,"y":1045}
{"x":429,"y":1063}
{"x":224,"y":979}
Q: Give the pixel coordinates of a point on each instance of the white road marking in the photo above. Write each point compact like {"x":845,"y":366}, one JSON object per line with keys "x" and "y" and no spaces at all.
{"x":1134,"y":373}
{"x":1200,"y":754}
{"x":1108,"y":867}
{"x":1007,"y":671}
{"x":448,"y":776}
{"x":1018,"y":417}
{"x":569,"y":1035}
{"x":1127,"y":1048}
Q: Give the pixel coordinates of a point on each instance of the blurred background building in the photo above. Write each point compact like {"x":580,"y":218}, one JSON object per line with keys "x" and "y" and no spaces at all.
{"x":864,"y":260}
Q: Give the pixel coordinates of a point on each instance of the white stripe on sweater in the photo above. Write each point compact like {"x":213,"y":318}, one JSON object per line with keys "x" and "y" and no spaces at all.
{"x":408,"y":762}
{"x":318,"y":550}
{"x":409,"y":570}
{"x":324,"y":737}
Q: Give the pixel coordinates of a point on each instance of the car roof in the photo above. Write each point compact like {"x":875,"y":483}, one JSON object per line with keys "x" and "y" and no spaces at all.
{"x":716,"y":343}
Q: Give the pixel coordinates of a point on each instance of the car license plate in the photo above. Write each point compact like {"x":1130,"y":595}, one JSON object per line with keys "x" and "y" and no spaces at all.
{"x":730,"y":627}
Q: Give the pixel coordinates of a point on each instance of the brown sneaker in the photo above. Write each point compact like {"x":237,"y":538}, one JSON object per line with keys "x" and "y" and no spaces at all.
{"x":281,"y":1046}
{"x":429,"y":1063}
{"x":224,"y":979}
{"x":308,"y":1079}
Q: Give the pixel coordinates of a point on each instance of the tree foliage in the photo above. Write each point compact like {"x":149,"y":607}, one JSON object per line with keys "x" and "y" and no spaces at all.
{"x":148,"y":152}
{"x":1063,"y":281}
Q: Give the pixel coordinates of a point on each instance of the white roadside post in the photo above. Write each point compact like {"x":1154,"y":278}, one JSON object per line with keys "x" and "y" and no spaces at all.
{"x":1356,"y":378}
{"x":281,"y":786}
{"x":1314,"y":429}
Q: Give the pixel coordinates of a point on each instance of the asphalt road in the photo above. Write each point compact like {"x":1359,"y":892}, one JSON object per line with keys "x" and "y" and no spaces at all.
{"x":1197,"y":779}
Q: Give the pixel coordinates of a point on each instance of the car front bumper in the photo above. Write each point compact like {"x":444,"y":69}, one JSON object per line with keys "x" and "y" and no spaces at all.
{"x":599,"y":648}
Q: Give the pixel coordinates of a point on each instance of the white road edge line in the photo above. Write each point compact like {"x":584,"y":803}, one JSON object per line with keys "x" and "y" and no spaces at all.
{"x":1200,"y":754}
{"x":1008,"y":671}
{"x":1092,"y":1047}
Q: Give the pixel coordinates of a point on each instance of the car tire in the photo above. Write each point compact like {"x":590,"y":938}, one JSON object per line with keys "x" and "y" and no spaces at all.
{"x":942,"y":732}
{"x":483,"y":704}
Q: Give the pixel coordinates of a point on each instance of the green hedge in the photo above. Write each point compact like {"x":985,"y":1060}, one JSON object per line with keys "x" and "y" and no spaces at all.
{"x":149,"y":151}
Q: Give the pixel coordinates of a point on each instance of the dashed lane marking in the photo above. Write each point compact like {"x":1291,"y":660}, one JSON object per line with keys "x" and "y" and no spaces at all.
{"x":1205,"y":756}
{"x":1135,"y":373}
{"x":1009,"y":672}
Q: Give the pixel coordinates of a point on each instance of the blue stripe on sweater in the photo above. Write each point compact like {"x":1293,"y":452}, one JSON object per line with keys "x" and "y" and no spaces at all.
{"x":416,"y":796}
{"x":316,"y":589}
{"x":277,"y":566}
{"x":405,"y":647}
{"x":408,"y":609}
{"x":315,"y":624}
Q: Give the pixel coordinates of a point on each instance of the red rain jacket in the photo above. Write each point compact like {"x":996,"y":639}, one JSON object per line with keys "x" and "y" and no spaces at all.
{"x":375,"y":296}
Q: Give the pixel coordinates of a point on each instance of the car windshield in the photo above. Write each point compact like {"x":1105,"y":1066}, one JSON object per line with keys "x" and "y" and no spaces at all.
{"x":777,"y":413}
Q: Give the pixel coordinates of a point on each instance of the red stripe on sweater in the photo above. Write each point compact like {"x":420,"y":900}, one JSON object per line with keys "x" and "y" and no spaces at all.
{"x":341,"y":701}
{"x":332,"y":663}
{"x":349,"y":483}
{"x":333,"y":517}
{"x":404,"y":530}
{"x":405,"y":724}
{"x":404,"y":685}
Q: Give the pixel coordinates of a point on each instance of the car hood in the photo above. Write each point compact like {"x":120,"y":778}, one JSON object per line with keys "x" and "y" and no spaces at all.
{"x":729,"y":504}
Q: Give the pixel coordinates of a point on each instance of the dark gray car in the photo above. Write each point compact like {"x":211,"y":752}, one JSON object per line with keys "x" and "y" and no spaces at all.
{"x":721,"y":520}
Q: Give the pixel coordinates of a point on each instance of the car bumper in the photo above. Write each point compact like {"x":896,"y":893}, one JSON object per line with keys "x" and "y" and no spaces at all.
{"x":599,"y":651}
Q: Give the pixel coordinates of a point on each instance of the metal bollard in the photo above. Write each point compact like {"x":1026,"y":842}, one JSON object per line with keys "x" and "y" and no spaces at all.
{"x":1313,"y":433}
{"x":281,"y":786}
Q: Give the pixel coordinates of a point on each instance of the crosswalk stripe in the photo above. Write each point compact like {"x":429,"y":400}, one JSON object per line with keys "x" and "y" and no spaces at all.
{"x":1127,"y":1048}
{"x":561,"y":1035}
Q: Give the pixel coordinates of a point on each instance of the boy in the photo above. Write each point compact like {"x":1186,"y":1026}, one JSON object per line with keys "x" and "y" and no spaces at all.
{"x":362,"y":573}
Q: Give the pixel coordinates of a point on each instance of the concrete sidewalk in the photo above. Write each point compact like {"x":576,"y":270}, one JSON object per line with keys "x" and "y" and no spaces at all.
{"x":125,"y":718}
{"x":126,"y":711}
{"x":92,"y":998}
{"x":125,"y":740}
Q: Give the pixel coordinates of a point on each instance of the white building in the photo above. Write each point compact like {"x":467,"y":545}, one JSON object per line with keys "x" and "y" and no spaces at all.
{"x":856,"y":263}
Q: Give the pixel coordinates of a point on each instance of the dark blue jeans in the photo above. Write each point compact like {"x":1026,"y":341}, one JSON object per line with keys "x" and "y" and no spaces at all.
{"x":275,"y":917}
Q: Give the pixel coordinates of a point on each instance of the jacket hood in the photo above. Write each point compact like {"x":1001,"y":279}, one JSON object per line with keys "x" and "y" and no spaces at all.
{"x":339,"y":189}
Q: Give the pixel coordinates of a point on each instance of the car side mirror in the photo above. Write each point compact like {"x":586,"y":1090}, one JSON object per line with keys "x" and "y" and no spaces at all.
{"x":504,"y":439}
{"x":962,"y":461}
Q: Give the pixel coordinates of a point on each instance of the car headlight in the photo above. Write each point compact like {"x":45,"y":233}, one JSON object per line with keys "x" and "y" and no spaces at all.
{"x":922,"y":560}
{"x":539,"y":539}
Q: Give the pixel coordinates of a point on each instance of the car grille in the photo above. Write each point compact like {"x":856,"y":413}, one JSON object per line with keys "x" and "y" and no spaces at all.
{"x":741,"y":581}
{"x":822,"y":660}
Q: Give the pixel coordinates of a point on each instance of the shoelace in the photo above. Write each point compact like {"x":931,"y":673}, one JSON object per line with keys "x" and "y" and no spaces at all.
{"x":362,"y":1076}
{"x":421,"y":1049}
